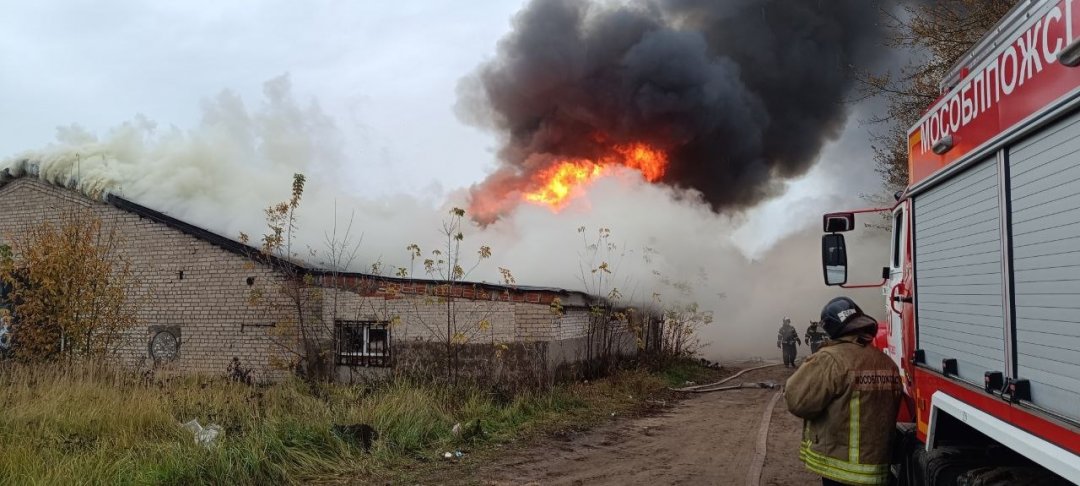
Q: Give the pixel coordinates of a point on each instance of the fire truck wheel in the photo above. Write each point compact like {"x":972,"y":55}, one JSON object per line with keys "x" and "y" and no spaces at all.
{"x":942,"y":466}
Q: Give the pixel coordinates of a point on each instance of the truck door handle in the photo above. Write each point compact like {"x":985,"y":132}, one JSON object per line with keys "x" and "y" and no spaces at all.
{"x":906,"y":299}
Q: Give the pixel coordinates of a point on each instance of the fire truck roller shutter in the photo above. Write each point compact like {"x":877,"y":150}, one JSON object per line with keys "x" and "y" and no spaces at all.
{"x":1045,"y":203}
{"x":958,"y":273}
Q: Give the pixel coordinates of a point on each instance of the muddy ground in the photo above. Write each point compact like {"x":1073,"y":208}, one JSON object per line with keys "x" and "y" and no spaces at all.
{"x":707,"y":439}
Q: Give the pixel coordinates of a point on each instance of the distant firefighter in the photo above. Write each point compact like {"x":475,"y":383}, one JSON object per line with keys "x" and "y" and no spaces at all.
{"x":787,"y":339}
{"x":815,"y":336}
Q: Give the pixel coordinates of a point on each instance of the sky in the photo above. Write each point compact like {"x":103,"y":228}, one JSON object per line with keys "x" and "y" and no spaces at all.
{"x":385,"y":71}
{"x":376,"y":83}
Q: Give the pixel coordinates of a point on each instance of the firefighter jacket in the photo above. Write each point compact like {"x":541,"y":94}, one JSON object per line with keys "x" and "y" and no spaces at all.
{"x":847,"y":394}
{"x":787,"y":335}
{"x":815,"y":334}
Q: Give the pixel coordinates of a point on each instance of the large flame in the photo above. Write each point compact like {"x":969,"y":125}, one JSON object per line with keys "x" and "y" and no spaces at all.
{"x":650,"y":162}
{"x":554,"y":185}
{"x":559,"y":180}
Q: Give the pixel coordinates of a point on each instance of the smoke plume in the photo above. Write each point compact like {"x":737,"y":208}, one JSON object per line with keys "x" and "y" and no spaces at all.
{"x":738,"y":93}
{"x":222,"y":172}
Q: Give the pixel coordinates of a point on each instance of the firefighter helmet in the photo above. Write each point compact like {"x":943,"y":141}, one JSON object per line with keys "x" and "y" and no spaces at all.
{"x":837,"y":314}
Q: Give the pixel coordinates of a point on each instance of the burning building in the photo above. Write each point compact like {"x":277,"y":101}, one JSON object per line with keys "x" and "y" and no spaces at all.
{"x":716,"y":102}
{"x":193,"y":296}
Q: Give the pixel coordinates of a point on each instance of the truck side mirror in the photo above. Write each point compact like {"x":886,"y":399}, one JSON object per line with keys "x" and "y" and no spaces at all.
{"x":834,"y":259}
{"x":839,"y":222}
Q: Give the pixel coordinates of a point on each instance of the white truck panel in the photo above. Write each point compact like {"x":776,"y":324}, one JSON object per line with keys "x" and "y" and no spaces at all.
{"x":958,"y":273}
{"x":1045,"y":214}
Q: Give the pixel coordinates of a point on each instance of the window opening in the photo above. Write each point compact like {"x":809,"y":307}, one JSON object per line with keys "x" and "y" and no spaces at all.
{"x":362,"y":343}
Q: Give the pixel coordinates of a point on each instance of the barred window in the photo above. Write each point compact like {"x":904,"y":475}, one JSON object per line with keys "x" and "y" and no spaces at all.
{"x":362,"y":343}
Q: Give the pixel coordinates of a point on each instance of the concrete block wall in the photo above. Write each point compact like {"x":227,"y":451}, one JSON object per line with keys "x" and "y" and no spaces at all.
{"x":209,"y":304}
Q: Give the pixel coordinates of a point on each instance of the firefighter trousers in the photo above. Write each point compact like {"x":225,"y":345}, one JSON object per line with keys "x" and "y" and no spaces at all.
{"x":789,"y":354}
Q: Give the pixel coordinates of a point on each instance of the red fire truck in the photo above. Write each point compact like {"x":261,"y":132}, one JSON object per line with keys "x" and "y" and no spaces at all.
{"x":983,"y":282}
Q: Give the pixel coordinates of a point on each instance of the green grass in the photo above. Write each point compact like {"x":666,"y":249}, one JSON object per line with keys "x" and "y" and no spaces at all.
{"x":63,"y":426}
{"x":677,"y":373}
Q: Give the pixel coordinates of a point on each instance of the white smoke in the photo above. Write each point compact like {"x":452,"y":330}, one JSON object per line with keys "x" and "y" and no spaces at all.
{"x":750,"y":270}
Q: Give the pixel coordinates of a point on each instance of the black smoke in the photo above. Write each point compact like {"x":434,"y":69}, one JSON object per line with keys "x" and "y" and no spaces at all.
{"x":741,"y":93}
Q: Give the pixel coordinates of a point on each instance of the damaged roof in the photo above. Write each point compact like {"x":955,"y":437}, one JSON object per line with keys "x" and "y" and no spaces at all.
{"x":231,"y":245}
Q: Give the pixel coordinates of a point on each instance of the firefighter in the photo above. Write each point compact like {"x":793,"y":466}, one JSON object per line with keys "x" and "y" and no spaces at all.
{"x":786,"y":339}
{"x":847,"y":394}
{"x":815,"y":336}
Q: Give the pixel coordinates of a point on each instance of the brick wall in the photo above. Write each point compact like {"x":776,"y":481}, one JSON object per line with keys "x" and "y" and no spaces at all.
{"x":423,"y":317}
{"x":574,"y":323}
{"x":418,"y":318}
{"x":210,"y":307}
{"x":209,"y":304}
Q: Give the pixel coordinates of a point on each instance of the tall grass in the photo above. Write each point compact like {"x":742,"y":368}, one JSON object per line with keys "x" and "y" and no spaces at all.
{"x":87,"y":425}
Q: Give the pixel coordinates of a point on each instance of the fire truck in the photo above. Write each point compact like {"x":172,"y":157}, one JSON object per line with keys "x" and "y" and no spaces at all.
{"x":982,"y":286}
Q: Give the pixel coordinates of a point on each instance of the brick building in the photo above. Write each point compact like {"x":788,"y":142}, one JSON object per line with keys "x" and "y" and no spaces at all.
{"x":193,"y":293}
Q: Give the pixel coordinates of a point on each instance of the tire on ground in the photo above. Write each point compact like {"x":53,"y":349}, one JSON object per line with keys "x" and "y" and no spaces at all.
{"x":943,"y":465}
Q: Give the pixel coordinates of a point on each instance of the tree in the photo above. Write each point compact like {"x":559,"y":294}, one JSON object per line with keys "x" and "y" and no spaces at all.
{"x":663,"y":329}
{"x":611,"y":321}
{"x":938,"y":33}
{"x":679,"y":315}
{"x":67,"y":289}
{"x":293,"y":300}
{"x":466,"y":320}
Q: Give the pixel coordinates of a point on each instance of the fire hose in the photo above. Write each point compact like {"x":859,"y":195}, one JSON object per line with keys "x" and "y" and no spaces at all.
{"x":710,"y":386}
{"x":753,"y":476}
{"x":769,"y":385}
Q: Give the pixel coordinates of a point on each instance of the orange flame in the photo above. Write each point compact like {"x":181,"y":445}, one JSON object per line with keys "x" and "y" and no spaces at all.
{"x":554,"y":185}
{"x":651,"y":162}
{"x":560,"y":179}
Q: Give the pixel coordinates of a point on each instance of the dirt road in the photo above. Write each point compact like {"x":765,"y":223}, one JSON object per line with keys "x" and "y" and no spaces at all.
{"x":708,"y":439}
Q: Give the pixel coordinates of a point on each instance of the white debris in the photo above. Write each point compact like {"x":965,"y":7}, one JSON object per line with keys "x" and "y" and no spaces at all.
{"x":203,"y":436}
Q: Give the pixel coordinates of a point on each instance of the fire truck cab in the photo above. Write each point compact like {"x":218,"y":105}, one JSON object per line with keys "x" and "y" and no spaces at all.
{"x":982,"y":284}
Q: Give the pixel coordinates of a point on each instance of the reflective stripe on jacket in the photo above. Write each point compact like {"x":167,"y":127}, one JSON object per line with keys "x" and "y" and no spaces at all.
{"x":848,"y":395}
